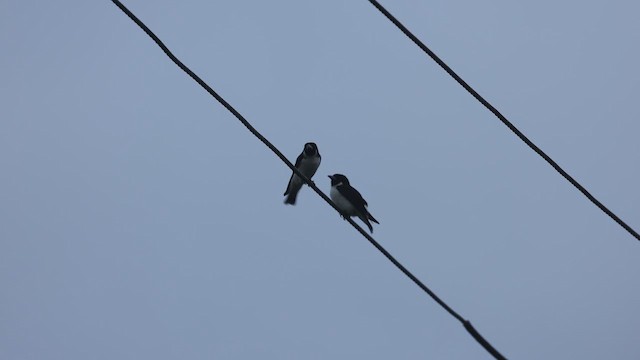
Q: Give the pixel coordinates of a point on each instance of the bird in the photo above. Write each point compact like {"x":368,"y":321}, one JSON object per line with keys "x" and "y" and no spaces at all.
{"x":307,"y":162}
{"x":349,"y":200}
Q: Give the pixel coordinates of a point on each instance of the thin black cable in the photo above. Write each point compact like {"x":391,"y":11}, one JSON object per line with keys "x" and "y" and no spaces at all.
{"x":504,"y":120}
{"x":467,"y":325}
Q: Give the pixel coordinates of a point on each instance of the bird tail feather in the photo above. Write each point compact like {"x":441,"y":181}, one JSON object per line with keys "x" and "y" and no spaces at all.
{"x":372,"y":218}
{"x":366,"y":221}
{"x":291,"y":198}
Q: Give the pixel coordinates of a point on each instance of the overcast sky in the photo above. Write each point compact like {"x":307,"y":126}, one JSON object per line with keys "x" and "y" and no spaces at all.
{"x":140,"y":220}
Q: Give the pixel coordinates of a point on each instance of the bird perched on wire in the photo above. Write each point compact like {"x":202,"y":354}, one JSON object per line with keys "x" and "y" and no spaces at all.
{"x":349,"y":200}
{"x":307,"y":162}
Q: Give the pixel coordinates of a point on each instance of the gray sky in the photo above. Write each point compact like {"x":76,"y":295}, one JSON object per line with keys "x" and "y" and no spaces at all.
{"x":140,"y":220}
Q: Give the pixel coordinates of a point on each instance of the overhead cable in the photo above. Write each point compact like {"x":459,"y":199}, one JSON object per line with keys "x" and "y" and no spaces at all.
{"x":466,"y":323}
{"x":504,"y":120}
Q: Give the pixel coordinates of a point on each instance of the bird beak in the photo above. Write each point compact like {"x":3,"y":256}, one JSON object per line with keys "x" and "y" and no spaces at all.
{"x":330,"y":177}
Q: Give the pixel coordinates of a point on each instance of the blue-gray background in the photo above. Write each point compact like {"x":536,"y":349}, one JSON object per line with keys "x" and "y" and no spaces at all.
{"x":140,"y":220}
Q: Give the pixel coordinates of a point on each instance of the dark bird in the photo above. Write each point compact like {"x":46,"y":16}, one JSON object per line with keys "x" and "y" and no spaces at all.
{"x":349,"y":200}
{"x":307,"y":162}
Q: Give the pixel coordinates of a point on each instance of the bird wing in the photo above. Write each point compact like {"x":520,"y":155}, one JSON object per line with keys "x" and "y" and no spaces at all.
{"x":297,"y":165}
{"x":299,"y":160}
{"x":354,"y":198}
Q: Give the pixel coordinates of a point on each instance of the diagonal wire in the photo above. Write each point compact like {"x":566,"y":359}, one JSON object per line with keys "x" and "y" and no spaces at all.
{"x":502,"y":118}
{"x":466,"y":323}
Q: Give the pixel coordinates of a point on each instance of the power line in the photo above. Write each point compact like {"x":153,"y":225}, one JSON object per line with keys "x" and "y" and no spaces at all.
{"x":502,"y":118}
{"x":466,"y":323}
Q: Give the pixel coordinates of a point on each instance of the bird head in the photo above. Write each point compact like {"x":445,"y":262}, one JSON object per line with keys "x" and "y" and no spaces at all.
{"x":310,"y":149}
{"x":338,"y":179}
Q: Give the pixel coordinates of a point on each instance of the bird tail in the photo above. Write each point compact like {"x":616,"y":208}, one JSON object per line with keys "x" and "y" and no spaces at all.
{"x":372,"y":218}
{"x":366,"y":221}
{"x":295,"y":183}
{"x":291,"y":197}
